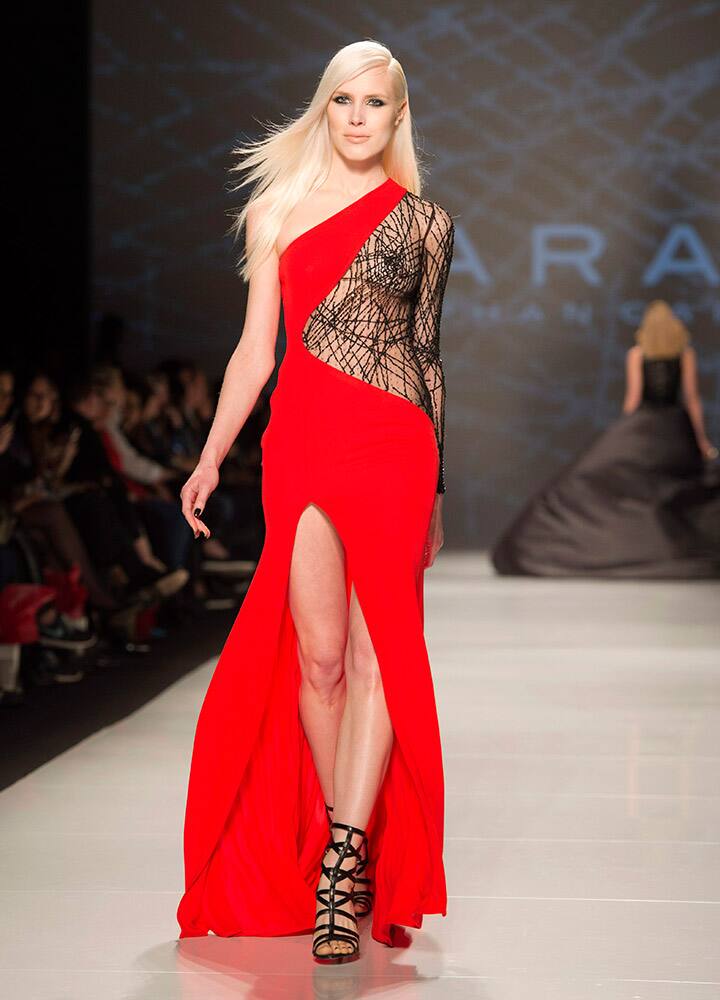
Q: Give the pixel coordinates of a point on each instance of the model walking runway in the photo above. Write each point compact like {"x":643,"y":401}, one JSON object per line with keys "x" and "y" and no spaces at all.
{"x":356,"y":428}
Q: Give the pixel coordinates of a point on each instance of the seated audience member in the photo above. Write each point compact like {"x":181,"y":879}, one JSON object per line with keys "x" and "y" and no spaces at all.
{"x":96,"y":499}
{"x":146,"y":479}
{"x":33,"y":458}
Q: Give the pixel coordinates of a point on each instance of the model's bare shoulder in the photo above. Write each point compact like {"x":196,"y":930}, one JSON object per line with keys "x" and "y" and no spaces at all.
{"x":254,"y":216}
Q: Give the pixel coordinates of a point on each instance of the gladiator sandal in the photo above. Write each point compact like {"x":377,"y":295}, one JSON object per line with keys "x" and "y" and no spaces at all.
{"x":362,"y":898}
{"x":333,"y":898}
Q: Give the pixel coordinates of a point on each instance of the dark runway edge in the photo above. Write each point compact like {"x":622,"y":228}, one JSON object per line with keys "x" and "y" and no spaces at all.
{"x":52,"y":719}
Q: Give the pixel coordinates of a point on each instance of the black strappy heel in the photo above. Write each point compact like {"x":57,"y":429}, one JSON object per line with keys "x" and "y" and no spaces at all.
{"x":362,"y":899}
{"x":333,"y":899}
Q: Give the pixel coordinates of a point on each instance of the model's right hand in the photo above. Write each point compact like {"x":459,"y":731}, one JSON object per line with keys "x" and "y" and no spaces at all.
{"x":194,"y":495}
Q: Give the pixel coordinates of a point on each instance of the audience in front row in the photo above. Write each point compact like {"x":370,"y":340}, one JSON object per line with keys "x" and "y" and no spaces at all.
{"x":90,"y":477}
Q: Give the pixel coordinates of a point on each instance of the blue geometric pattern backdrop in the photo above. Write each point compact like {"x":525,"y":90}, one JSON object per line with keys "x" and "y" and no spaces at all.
{"x":576,"y":145}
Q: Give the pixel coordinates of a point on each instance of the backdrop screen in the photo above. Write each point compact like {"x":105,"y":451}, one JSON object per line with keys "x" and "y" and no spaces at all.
{"x":575,"y":144}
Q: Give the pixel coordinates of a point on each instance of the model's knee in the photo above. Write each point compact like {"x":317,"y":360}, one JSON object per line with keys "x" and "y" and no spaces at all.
{"x":362,"y":666}
{"x":322,"y":665}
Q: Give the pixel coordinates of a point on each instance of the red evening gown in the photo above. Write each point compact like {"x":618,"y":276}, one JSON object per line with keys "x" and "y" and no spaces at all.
{"x":356,"y":428}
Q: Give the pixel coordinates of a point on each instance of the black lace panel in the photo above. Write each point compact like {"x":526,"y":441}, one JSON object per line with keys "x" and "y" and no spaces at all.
{"x":381,"y":321}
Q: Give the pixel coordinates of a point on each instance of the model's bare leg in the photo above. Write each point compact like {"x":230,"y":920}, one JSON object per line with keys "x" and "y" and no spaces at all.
{"x":342,"y":702}
{"x":319,"y":611}
{"x":366,"y":734}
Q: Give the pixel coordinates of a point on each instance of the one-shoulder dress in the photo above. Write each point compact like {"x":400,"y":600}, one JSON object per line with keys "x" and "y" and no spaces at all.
{"x":357,"y":428}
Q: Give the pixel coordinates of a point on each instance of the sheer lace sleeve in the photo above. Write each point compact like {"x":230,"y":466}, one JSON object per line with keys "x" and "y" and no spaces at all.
{"x":380,"y":322}
{"x":436,"y":258}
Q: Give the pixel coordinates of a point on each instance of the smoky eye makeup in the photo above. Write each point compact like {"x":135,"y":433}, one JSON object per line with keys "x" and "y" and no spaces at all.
{"x":380,"y":102}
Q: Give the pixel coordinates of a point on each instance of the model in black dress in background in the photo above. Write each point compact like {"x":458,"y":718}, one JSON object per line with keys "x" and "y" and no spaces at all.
{"x":644,"y":499}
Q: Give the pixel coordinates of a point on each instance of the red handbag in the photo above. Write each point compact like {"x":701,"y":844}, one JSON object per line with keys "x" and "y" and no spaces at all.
{"x":19,"y":603}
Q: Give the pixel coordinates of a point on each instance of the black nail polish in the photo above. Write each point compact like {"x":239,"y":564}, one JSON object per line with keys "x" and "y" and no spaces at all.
{"x":205,"y":536}
{"x":197,"y":512}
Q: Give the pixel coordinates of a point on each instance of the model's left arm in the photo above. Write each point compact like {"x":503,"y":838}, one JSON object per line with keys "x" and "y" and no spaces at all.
{"x":436,"y":258}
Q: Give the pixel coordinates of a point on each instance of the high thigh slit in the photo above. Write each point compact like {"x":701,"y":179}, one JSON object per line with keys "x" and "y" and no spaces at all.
{"x":370,"y":458}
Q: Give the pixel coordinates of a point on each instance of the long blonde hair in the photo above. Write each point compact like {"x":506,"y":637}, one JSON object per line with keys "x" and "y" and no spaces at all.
{"x":661,"y":333}
{"x":293,"y":160}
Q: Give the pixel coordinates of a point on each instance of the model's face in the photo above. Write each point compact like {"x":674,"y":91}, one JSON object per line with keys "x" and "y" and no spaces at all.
{"x":362,"y":116}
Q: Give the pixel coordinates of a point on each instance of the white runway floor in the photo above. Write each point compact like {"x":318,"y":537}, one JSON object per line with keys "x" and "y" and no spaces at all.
{"x":581,"y":734}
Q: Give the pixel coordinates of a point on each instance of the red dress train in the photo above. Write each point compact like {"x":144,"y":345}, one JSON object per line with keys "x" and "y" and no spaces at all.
{"x":356,"y":428}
